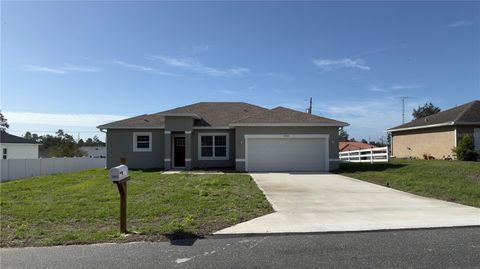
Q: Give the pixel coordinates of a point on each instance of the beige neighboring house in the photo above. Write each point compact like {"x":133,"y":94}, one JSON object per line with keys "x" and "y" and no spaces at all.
{"x":437,"y":134}
{"x":16,"y":147}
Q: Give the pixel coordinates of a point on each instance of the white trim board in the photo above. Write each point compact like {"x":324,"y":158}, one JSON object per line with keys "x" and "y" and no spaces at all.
{"x":287,"y":136}
{"x":150,"y":142}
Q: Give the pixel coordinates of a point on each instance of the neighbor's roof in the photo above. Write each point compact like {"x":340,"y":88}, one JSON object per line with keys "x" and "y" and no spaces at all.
{"x":350,"y":145}
{"x":282,"y":115}
{"x":223,"y":114}
{"x":8,"y":138}
{"x":468,"y":113}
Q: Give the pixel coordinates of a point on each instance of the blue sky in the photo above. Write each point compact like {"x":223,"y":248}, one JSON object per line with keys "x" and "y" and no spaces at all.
{"x":75,"y":65}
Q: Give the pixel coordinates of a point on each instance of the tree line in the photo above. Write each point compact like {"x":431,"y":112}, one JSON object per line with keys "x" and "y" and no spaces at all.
{"x":62,"y":144}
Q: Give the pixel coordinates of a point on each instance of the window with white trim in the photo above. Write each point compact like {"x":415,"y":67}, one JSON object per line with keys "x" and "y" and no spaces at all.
{"x":213,"y":147}
{"x":4,"y":153}
{"x":142,"y":141}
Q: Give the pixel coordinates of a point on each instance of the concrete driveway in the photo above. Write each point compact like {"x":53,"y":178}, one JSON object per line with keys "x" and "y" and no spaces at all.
{"x":329,"y":203}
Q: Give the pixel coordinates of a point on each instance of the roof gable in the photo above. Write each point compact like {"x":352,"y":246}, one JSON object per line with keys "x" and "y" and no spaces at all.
{"x":463,"y":114}
{"x":282,"y":115}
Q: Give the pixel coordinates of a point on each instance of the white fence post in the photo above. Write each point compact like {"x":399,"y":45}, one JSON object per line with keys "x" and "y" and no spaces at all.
{"x":371,"y":155}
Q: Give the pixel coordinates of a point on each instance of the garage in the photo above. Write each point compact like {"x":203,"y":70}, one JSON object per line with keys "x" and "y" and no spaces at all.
{"x":286,"y":153}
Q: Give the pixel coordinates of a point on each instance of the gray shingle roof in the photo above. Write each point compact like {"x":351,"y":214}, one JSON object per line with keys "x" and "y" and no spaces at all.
{"x":222,"y":114}
{"x":283,"y":115}
{"x":464,"y":114}
{"x":218,"y":113}
{"x":8,"y":138}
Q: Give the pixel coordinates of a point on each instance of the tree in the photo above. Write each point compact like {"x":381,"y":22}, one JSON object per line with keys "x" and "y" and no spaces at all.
{"x":425,"y":110}
{"x":28,"y":135}
{"x":465,"y":149}
{"x":343,"y":135}
{"x":81,"y":143}
{"x":3,"y":123}
{"x":364,"y":141}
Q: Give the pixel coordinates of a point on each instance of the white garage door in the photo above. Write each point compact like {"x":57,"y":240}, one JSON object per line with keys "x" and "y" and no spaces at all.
{"x":286,"y":153}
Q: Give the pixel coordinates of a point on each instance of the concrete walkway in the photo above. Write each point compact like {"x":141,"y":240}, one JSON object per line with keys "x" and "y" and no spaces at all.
{"x":331,"y":203}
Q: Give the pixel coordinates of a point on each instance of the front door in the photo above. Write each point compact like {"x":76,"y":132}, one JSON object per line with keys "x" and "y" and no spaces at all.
{"x":179,"y":151}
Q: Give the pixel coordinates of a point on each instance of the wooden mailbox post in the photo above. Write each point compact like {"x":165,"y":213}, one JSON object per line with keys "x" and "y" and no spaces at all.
{"x":119,"y":176}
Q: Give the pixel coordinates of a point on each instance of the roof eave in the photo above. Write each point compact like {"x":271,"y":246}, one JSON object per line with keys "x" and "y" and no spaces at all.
{"x":340,"y":124}
{"x":449,"y":123}
{"x":129,"y":127}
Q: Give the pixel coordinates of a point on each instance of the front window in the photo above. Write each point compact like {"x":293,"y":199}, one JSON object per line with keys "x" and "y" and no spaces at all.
{"x":213,"y":146}
{"x":142,"y":141}
{"x":4,"y":154}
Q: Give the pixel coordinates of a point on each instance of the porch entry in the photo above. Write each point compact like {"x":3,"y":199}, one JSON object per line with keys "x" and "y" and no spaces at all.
{"x":179,"y":151}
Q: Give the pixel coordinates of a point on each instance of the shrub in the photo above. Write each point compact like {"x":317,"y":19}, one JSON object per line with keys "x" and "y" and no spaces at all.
{"x":465,"y":149}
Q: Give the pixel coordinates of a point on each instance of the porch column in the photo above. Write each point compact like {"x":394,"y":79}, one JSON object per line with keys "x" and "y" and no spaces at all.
{"x":167,"y":154}
{"x":188,"y":150}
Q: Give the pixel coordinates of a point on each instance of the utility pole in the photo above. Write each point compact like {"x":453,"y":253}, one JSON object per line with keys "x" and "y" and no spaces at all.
{"x":309,"y":109}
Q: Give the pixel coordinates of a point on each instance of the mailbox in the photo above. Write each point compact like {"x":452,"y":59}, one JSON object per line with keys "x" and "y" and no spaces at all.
{"x":119,"y":176}
{"x":118,"y":173}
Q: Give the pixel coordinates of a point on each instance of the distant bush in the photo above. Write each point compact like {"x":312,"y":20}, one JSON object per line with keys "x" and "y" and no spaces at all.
{"x":465,"y":149}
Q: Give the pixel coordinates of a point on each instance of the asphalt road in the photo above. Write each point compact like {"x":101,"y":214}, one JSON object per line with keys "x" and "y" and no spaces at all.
{"x":429,"y":248}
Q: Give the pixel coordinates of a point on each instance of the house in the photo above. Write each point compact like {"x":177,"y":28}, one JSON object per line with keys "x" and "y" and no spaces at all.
{"x":15,"y":147}
{"x":95,"y":151}
{"x":225,"y":134}
{"x":353,"y":145}
{"x":437,"y":134}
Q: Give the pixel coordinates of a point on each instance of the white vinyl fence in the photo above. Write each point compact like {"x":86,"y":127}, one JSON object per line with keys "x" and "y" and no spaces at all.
{"x":365,"y":155}
{"x":21,"y":168}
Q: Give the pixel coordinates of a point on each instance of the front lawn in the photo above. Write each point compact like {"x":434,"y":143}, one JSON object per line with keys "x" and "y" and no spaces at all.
{"x":83,"y":207}
{"x":453,"y":181}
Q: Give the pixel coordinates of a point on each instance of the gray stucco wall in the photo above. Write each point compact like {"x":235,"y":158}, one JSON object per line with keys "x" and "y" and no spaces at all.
{"x":178,"y":123}
{"x":120,"y":145}
{"x":240,"y":133}
{"x":196,"y":163}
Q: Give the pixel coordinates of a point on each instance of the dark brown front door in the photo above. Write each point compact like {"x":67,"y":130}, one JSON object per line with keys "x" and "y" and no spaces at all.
{"x":179,"y":151}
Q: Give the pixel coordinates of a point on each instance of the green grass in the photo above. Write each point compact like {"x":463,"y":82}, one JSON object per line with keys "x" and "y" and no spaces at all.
{"x":453,"y":181}
{"x":83,"y":207}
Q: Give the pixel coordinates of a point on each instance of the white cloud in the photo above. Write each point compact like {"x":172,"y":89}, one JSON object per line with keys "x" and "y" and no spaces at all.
{"x":44,"y":69}
{"x":461,"y":23}
{"x":79,"y":68}
{"x":404,"y":87}
{"x":78,"y":120}
{"x":328,"y":64}
{"x":376,"y":89}
{"x":143,"y":68}
{"x":67,"y":68}
{"x":197,"y":67}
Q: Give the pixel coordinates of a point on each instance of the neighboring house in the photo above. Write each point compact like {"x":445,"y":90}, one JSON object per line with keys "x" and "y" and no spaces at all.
{"x":437,"y":134}
{"x":351,"y":145}
{"x":225,"y":134}
{"x":95,"y":151}
{"x":15,"y":147}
